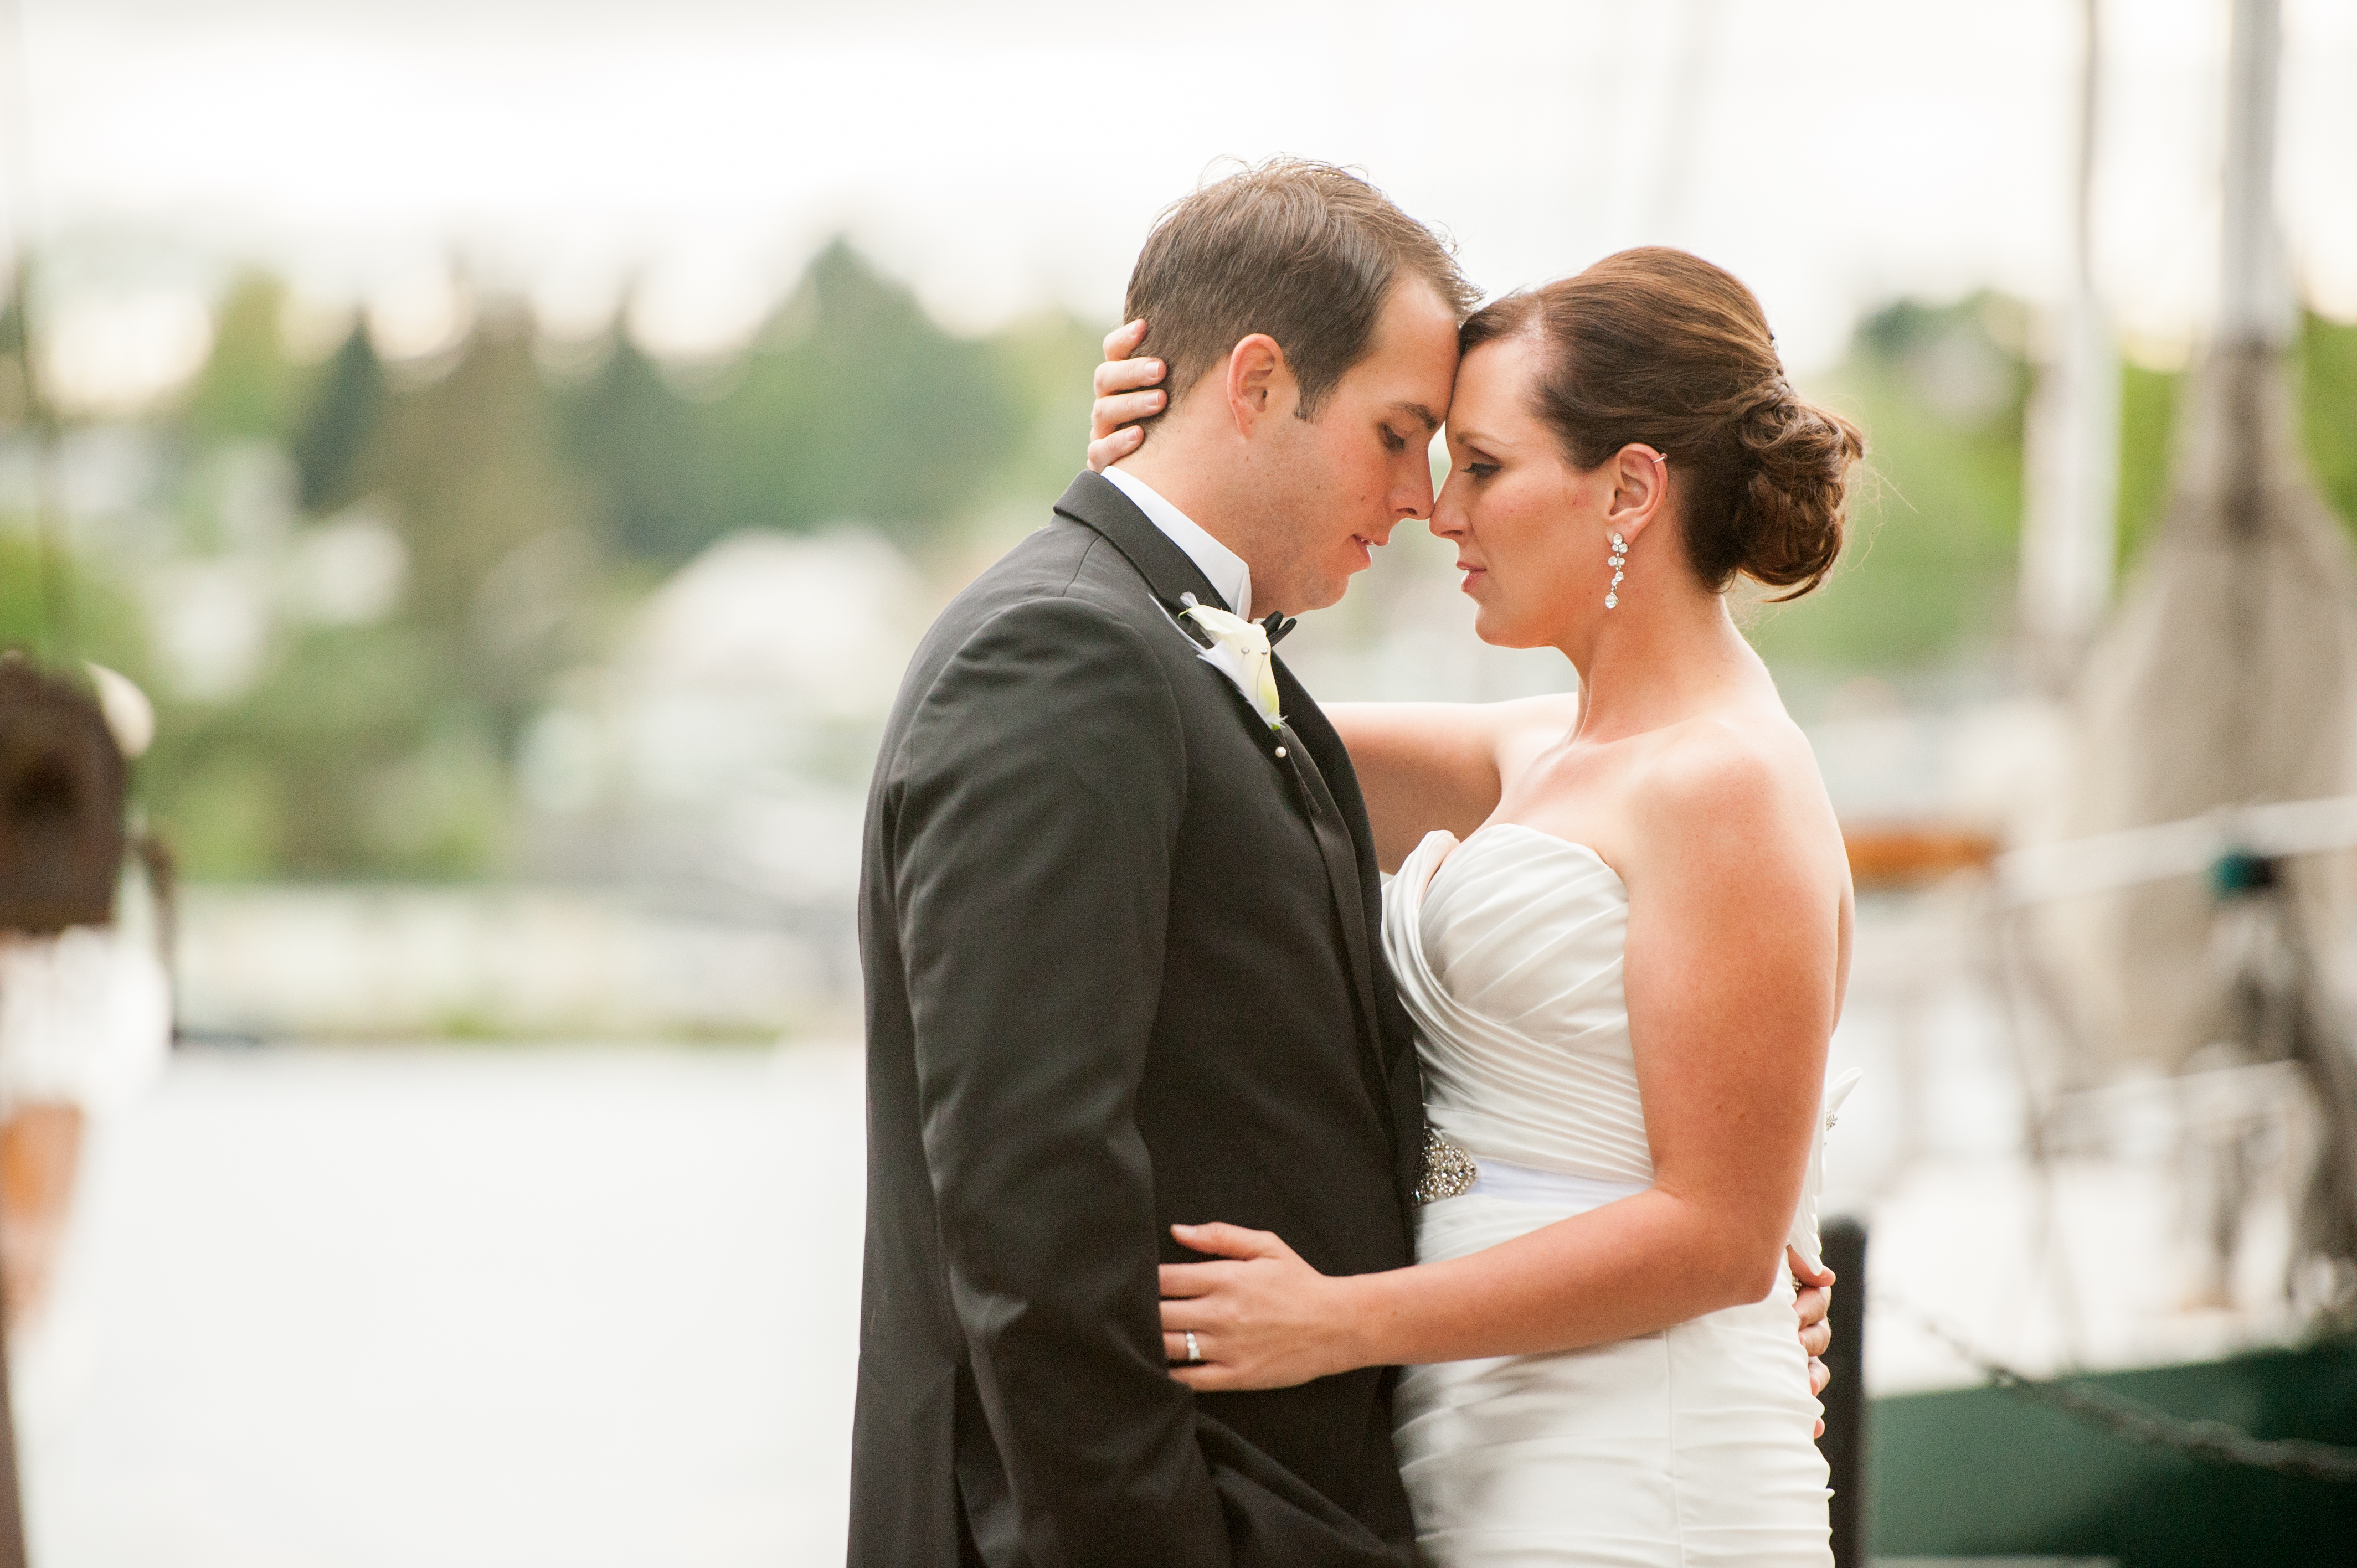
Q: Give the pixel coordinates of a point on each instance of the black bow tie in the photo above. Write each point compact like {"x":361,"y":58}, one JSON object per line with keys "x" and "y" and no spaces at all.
{"x":1277,"y":625}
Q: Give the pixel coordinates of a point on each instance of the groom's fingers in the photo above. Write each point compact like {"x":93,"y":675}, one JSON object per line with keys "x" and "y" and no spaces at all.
{"x":1123,"y":340}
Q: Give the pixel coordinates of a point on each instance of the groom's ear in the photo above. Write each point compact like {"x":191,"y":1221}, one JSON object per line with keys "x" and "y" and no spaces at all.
{"x":1259,"y":383}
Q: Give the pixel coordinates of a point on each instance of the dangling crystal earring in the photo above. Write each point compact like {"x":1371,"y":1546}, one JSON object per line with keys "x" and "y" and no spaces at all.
{"x":1620,"y":558}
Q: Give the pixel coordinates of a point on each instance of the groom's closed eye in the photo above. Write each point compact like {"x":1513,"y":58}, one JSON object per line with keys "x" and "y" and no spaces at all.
{"x":1417,"y":413}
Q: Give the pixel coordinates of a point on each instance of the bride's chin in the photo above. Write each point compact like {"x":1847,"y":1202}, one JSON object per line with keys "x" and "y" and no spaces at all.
{"x":1498,"y":632}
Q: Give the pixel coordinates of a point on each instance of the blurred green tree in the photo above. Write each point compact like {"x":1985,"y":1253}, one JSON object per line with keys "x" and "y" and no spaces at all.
{"x":247,"y":388}
{"x":637,"y":446}
{"x":532,"y":506}
{"x":2148,"y":435}
{"x":501,"y":565}
{"x":855,"y":406}
{"x":338,"y":424}
{"x":2328,"y":385}
{"x":300,"y":776}
{"x":2324,"y":365}
{"x":107,"y":624}
{"x":1045,"y":362}
{"x":1929,"y":570}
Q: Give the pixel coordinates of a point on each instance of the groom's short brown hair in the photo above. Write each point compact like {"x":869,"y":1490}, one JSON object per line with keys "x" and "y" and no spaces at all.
{"x":1304,"y":251}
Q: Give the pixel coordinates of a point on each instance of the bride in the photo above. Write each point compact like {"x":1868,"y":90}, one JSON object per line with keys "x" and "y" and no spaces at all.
{"x":1621,"y":923}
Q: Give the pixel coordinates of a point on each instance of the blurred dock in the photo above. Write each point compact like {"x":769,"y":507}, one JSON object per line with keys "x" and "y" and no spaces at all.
{"x":377,"y":1307}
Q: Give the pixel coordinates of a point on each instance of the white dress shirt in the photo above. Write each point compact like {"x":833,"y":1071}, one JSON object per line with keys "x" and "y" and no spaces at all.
{"x":1227,"y":570}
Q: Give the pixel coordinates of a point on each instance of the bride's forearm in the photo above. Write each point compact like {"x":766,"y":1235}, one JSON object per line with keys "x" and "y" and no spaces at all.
{"x":1423,"y":766}
{"x":1632,"y":1267}
{"x":1417,"y":770}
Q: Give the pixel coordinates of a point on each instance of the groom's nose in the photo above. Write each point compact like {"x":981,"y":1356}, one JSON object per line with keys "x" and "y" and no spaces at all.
{"x":1413,"y":496}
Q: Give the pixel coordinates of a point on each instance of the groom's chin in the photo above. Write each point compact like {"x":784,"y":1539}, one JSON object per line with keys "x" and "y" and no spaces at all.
{"x":1336,"y":581}
{"x":1324,"y":595}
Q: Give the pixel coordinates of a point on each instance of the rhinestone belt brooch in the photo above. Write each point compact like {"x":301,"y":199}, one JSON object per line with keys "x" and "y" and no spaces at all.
{"x":1447,"y":1171}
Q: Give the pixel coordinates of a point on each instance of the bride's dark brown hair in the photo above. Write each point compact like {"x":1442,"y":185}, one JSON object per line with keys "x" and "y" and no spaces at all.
{"x":1660,"y":347}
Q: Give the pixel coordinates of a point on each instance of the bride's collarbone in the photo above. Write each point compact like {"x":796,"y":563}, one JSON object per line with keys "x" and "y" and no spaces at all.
{"x":1589,"y":790}
{"x":1582,"y":800}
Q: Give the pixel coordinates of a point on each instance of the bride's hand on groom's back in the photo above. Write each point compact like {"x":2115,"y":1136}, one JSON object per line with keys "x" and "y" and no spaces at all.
{"x":1126,"y":393}
{"x":1260,"y":1318}
{"x":1812,"y":1300}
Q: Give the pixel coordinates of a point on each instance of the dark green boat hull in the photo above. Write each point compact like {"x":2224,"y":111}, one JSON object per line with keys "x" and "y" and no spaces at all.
{"x":1994,"y":1472}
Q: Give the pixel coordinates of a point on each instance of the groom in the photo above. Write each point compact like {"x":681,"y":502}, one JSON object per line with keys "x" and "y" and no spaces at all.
{"x":1119,"y":919}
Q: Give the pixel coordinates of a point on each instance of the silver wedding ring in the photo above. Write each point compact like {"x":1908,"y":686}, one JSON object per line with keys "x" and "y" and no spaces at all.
{"x":1194,"y":1351}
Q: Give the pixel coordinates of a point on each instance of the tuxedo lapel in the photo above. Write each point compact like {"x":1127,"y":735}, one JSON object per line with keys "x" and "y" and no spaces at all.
{"x":1336,"y":848}
{"x":1305,"y":749}
{"x":1097,"y":503}
{"x":1388,"y":1031}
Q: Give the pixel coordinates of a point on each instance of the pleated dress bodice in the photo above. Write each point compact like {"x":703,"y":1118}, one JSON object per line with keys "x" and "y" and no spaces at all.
{"x":1507,"y":948}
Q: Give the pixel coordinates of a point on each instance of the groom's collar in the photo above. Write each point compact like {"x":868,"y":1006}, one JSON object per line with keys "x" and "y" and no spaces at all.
{"x":1228,"y":572}
{"x":1097,"y":503}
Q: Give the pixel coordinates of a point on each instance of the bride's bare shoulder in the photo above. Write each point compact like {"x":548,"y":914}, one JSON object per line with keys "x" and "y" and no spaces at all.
{"x":1743,"y":782}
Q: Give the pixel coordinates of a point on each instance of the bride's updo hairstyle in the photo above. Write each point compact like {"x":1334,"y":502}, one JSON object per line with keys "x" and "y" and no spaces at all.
{"x":1660,"y":347}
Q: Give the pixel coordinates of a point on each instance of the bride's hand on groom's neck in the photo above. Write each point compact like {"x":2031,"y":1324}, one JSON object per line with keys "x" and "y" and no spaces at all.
{"x":1127,"y":392}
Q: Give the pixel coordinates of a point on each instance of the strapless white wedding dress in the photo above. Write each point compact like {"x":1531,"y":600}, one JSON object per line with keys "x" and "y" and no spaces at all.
{"x":1690,"y":1447}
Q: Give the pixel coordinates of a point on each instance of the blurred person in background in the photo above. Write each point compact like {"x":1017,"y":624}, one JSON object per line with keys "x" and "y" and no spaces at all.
{"x":1621,"y":923}
{"x":85,"y":1002}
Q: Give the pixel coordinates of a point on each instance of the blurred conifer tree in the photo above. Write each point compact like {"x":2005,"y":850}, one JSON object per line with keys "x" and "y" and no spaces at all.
{"x":501,"y":562}
{"x":247,"y":388}
{"x":338,"y":424}
{"x":637,"y":445}
{"x":854,"y":406}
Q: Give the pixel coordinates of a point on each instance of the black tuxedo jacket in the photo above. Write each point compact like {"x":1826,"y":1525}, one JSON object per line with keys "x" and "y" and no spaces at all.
{"x":1122,"y":971}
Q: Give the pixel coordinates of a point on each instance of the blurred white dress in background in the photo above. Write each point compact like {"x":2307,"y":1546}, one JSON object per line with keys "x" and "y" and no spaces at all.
{"x":85,"y":1016}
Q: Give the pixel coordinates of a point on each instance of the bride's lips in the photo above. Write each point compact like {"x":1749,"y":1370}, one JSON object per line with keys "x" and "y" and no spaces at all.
{"x":1473,"y":574}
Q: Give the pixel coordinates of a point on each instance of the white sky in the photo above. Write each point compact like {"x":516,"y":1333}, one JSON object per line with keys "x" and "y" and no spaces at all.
{"x":1835,"y":153}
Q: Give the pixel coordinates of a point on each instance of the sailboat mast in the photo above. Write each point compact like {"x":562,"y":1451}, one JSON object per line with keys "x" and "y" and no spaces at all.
{"x":2254,"y":296}
{"x":2071,"y":441}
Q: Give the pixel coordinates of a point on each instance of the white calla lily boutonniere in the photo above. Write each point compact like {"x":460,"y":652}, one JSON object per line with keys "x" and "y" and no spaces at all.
{"x":1239,"y":650}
